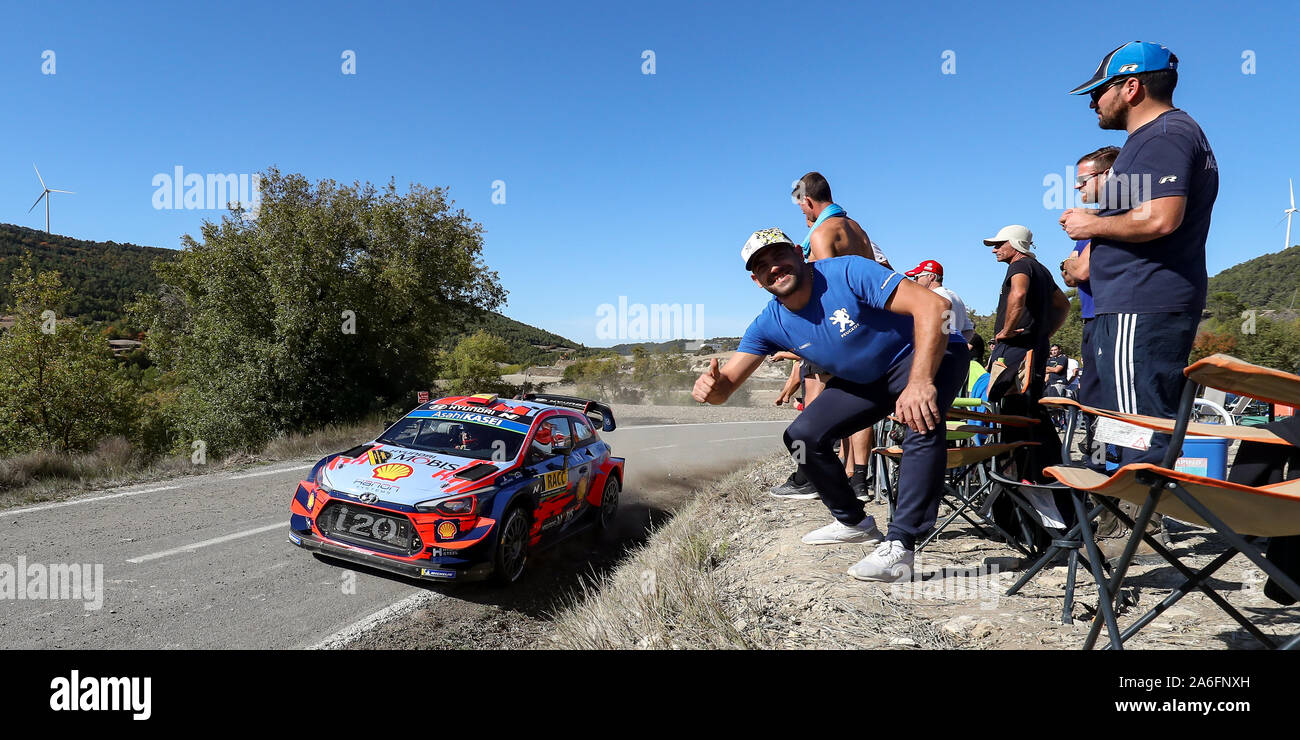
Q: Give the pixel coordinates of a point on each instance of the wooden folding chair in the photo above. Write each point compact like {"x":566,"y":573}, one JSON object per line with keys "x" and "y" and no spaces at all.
{"x":1240,"y":514}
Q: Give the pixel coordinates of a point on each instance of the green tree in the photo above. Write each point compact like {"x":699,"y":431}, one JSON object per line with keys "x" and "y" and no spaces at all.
{"x":59,"y":387}
{"x":471,"y":367}
{"x":332,"y":303}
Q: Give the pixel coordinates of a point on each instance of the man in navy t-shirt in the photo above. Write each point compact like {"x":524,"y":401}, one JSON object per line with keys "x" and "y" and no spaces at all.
{"x":1147,"y":261}
{"x":882,"y":339}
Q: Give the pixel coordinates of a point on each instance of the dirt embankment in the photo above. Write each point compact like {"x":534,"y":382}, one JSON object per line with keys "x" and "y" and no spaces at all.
{"x":730,"y":572}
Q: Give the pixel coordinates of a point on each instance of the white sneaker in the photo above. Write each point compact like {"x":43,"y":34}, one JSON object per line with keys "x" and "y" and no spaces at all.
{"x":890,"y":562}
{"x":836,"y":533}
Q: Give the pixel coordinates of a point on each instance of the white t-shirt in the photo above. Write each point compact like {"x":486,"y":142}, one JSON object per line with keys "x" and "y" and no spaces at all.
{"x":961,"y":319}
{"x":1071,"y":369}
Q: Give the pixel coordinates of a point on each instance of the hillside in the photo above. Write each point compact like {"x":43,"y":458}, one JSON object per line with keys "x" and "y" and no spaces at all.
{"x":1267,"y":281}
{"x":677,"y":346}
{"x":106,"y":276}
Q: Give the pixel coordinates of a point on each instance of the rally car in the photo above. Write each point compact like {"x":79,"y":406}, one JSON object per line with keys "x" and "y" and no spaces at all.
{"x":463,"y":488}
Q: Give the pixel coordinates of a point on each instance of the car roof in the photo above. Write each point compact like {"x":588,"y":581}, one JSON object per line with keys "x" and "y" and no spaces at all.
{"x":523,"y":411}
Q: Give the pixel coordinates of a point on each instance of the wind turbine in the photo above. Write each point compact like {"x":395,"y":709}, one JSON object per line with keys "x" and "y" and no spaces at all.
{"x":1288,"y":213}
{"x":47,"y":190}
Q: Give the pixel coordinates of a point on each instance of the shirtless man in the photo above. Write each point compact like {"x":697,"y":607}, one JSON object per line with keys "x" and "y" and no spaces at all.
{"x":831,"y":233}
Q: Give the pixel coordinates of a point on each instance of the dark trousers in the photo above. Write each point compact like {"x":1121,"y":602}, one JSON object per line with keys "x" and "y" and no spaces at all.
{"x":845,"y":407}
{"x":1088,"y":381}
{"x":1140,"y":358}
{"x":1029,"y":461}
{"x":1258,"y":464}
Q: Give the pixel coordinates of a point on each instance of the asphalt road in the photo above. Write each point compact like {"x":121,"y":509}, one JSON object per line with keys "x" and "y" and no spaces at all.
{"x":203,"y":561}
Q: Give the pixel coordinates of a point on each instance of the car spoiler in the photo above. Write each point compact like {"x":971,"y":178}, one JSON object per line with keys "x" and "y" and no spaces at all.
{"x":584,"y":405}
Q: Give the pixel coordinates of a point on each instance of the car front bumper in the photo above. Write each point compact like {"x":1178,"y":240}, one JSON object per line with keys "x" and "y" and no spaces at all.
{"x":429,"y":571}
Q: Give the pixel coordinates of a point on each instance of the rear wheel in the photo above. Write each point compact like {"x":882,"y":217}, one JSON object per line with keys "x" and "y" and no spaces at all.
{"x":609,"y":504}
{"x":512,"y":546}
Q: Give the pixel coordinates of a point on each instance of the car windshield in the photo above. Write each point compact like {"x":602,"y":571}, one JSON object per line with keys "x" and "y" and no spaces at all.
{"x":454,"y":437}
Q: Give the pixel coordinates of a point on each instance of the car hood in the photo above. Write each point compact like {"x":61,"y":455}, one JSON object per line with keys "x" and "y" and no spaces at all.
{"x":400,"y":475}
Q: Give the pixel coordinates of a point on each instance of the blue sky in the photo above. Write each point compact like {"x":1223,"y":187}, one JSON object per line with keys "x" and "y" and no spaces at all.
{"x":636,"y":185}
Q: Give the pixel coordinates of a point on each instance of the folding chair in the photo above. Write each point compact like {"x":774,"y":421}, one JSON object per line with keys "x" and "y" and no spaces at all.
{"x":966,"y":482}
{"x":1240,"y":514}
{"x":961,"y":491}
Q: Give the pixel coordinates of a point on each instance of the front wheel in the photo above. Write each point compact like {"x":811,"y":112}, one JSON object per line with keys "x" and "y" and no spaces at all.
{"x":512,"y":547}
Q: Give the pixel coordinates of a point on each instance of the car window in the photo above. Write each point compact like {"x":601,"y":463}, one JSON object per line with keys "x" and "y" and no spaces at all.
{"x":468,"y":439}
{"x":582,"y":431}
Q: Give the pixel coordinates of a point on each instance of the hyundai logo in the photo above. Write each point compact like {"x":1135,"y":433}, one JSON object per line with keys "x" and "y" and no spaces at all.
{"x":368,"y":498}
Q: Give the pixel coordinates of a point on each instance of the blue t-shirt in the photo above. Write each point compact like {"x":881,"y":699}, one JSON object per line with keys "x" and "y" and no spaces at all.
{"x":845,"y":328}
{"x":1169,"y":156}
{"x":1084,"y":287}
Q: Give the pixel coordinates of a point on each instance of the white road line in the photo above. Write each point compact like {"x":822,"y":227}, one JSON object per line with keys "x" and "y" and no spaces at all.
{"x":733,"y":439}
{"x":705,"y":424}
{"x":269,"y":472}
{"x":660,"y":447}
{"x":94,"y":499}
{"x":74,"y":502}
{"x":356,"y":629}
{"x":206,"y":543}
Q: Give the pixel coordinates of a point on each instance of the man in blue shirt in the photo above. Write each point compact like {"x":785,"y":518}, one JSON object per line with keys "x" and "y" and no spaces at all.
{"x":882,"y":339}
{"x":1091,"y":172}
{"x":1146,"y":265}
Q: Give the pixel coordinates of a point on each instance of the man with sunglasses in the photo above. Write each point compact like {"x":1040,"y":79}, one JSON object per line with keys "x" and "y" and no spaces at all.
{"x":1146,"y":264}
{"x":882,"y":339}
{"x":1091,"y":169}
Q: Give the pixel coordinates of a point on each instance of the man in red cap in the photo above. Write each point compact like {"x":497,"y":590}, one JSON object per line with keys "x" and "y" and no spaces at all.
{"x":929,"y":274}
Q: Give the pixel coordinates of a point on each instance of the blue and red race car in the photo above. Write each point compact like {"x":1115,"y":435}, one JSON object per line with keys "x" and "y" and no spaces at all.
{"x":463,"y":488}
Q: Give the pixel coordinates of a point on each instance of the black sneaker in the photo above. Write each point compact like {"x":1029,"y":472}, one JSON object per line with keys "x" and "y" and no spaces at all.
{"x":791,"y":490}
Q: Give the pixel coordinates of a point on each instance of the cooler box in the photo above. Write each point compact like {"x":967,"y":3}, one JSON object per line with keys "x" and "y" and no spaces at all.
{"x":1203,"y":456}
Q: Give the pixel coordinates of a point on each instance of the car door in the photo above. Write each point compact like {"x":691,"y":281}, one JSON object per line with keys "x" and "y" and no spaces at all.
{"x":584,"y":465}
{"x":554,"y":486}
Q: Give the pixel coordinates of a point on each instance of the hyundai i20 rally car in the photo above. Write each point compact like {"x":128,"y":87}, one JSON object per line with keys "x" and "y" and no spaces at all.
{"x":463,"y":488}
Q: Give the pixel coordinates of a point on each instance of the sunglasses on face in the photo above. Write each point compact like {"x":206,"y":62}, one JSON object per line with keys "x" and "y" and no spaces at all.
{"x":1096,"y":94}
{"x":1082,"y":180}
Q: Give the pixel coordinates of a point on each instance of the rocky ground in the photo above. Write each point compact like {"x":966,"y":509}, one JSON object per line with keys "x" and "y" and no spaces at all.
{"x":960,"y":595}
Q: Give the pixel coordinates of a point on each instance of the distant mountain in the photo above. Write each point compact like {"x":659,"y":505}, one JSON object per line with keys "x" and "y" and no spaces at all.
{"x":1268,"y":281}
{"x":104,"y":276}
{"x":719,"y":344}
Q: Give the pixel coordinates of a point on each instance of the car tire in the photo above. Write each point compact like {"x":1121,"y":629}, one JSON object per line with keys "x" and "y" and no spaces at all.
{"x":609,"y":501}
{"x":511,"y":552}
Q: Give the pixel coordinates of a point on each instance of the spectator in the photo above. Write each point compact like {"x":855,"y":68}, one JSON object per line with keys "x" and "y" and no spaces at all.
{"x":882,"y":339}
{"x":1146,"y":266}
{"x":1030,"y":310}
{"x":929,"y":274}
{"x":1091,"y":171}
{"x":831,"y":233}
{"x":1057,"y":365}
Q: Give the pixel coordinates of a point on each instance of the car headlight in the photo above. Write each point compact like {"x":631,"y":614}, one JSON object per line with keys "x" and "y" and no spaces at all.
{"x":319,"y":477}
{"x":458,"y":506}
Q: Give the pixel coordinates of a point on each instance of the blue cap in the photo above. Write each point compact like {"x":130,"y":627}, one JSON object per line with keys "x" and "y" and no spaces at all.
{"x":1131,"y":58}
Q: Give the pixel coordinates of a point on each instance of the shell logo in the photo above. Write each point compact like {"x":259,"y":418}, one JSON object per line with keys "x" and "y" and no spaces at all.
{"x":392,"y":471}
{"x":447,"y":530}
